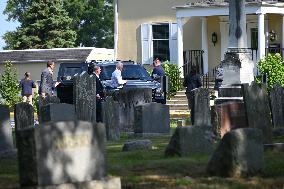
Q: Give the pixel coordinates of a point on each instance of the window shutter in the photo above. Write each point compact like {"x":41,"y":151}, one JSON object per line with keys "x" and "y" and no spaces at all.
{"x":173,"y":42}
{"x":146,"y":43}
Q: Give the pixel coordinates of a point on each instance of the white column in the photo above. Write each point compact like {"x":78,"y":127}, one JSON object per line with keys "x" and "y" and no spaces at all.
{"x":115,"y":28}
{"x":204,"y":45}
{"x":261,"y":36}
{"x":180,"y":44}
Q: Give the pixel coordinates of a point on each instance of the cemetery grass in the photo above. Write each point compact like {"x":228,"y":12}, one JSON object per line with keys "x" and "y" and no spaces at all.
{"x":150,"y":169}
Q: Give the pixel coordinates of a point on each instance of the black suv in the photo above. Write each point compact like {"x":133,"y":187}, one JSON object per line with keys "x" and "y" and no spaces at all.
{"x":135,"y":74}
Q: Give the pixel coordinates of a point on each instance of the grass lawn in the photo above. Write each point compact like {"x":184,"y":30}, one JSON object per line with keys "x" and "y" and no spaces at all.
{"x":150,"y":169}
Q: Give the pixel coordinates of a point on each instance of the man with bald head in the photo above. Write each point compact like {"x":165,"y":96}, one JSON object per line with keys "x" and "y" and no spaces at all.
{"x":116,"y":78}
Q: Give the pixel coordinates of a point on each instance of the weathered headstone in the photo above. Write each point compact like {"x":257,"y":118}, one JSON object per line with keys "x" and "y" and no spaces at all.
{"x":152,"y":118}
{"x":61,"y":152}
{"x":57,"y":112}
{"x":6,"y":140}
{"x":110,"y":116}
{"x":258,"y":109}
{"x":128,"y":99}
{"x":277,"y":105}
{"x":228,"y":116}
{"x":201,"y":107}
{"x":24,"y":116}
{"x":190,"y":140}
{"x":84,"y":94}
{"x":137,"y":145}
{"x":240,"y":153}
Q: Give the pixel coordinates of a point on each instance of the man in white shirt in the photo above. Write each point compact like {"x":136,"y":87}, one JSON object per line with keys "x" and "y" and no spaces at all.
{"x":116,"y":78}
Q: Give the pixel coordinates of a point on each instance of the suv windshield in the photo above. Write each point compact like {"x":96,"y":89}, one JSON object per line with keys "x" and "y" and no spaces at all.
{"x":129,"y":72}
{"x":71,"y":71}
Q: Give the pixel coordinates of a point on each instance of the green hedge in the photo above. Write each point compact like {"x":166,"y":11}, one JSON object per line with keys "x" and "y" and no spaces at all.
{"x":272,"y":66}
{"x":173,"y":72}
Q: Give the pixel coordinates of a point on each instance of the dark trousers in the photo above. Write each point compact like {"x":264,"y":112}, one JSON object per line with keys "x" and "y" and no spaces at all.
{"x":190,"y":101}
{"x":99,"y":110}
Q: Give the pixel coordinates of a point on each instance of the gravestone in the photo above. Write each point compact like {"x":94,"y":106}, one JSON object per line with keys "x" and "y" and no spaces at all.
{"x":110,"y":116}
{"x":201,"y":107}
{"x":190,"y":140}
{"x":6,"y":140}
{"x":61,"y":152}
{"x":84,"y":94}
{"x":45,"y":101}
{"x":240,"y":153}
{"x":152,"y":118}
{"x":129,"y":98}
{"x":277,"y":105}
{"x":228,"y":116}
{"x":24,"y":116}
{"x":257,"y":109}
{"x":137,"y":145}
{"x":238,"y":67}
{"x":57,"y":112}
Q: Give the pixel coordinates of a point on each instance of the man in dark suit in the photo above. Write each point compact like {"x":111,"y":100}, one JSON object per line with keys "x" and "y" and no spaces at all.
{"x":47,"y":85}
{"x":99,"y":93}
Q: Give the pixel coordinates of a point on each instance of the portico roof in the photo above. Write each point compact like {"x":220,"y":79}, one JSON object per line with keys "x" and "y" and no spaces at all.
{"x":221,"y":8}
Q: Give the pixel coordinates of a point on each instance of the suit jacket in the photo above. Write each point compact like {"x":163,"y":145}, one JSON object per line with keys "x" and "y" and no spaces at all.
{"x":46,"y":82}
{"x":99,"y":86}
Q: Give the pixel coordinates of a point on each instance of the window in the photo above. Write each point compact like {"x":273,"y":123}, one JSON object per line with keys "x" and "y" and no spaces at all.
{"x":161,"y":42}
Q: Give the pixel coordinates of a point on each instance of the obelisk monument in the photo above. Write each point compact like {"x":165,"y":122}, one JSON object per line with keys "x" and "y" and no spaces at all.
{"x":237,"y":65}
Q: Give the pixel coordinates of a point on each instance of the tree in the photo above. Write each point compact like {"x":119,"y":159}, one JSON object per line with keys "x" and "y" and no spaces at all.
{"x":44,"y":24}
{"x":93,"y":21}
{"x":9,"y":85}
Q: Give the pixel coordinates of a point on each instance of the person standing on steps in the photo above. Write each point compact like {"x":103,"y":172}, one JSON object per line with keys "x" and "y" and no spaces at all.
{"x":191,"y":81}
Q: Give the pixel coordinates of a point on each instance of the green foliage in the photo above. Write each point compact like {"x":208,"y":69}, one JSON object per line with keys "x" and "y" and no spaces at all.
{"x":93,"y":22}
{"x":273,"y":67}
{"x":9,"y":85}
{"x":43,"y":24}
{"x":172,"y":71}
{"x":35,"y":101}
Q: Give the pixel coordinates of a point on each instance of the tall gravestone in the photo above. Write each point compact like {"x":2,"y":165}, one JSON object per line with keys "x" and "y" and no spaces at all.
{"x":110,"y":109}
{"x":277,"y":105}
{"x":257,"y":109}
{"x":238,"y":67}
{"x":6,"y":141}
{"x":24,"y":116}
{"x":128,"y":99}
{"x":60,"y":153}
{"x":84,"y":94}
{"x":201,"y":107}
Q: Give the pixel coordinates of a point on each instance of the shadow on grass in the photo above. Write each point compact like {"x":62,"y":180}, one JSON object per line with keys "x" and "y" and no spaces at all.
{"x":150,"y":170}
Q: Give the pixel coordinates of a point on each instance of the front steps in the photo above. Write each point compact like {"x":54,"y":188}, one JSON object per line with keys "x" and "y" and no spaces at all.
{"x":178,"y":106}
